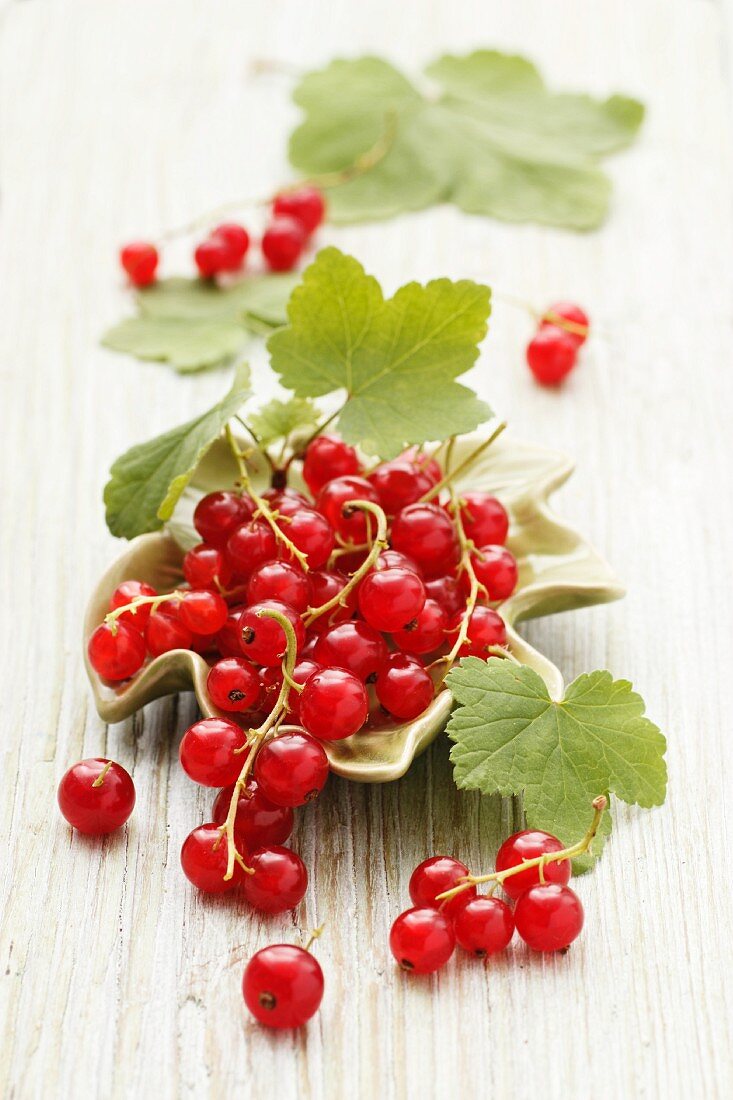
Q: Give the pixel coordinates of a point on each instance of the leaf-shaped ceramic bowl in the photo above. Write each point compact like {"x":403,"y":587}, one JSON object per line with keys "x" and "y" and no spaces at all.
{"x":558,"y":571}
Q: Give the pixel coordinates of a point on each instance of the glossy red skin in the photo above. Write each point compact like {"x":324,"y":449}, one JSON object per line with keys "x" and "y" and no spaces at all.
{"x":525,"y":845}
{"x":422,"y":940}
{"x":258,"y":821}
{"x":426,"y":463}
{"x":447,"y":592}
{"x":272,"y":679}
{"x":234,"y":685}
{"x":306,"y":204}
{"x":249,"y":546}
{"x":428,"y":632}
{"x":204,"y":860}
{"x":292,"y":769}
{"x":326,"y":458}
{"x":426,"y":534}
{"x":218,"y":514}
{"x":286,"y":501}
{"x":282,"y":986}
{"x":496,"y":569}
{"x":403,"y":686}
{"x":126,"y":593}
{"x":203,"y":612}
{"x":551,"y":355}
{"x":96,"y":810}
{"x":139,"y":260}
{"x":279,"y":580}
{"x":166,"y":632}
{"x":279,"y":882}
{"x":203,"y":565}
{"x":569,"y":311}
{"x":116,"y":655}
{"x":391,"y":559}
{"x":236,"y":239}
{"x":282,"y":243}
{"x":549,"y":917}
{"x":436,"y":875}
{"x":313,"y":535}
{"x":339,"y":492}
{"x":324,"y":586}
{"x":483,"y":926}
{"x":212,"y":256}
{"x":389,"y":599}
{"x":485,"y":629}
{"x":355,"y":646}
{"x":485,"y":519}
{"x":263,"y":638}
{"x":229,"y":638}
{"x":399,"y":483}
{"x":333,"y":704}
{"x":207,"y":751}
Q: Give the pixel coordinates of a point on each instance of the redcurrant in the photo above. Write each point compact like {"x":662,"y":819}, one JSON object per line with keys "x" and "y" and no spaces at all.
{"x":249,"y":546}
{"x":204,"y":860}
{"x":125,"y":593}
{"x":389,"y":599}
{"x":422,"y":940}
{"x":166,"y":632}
{"x":279,"y":881}
{"x":333,"y":704}
{"x":263,"y":638}
{"x":496,"y":570}
{"x":292,"y":769}
{"x":355,"y":646}
{"x":327,"y":457}
{"x":399,"y":483}
{"x":305,"y":204}
{"x":483,"y":926}
{"x":96,"y":796}
{"x":551,"y":354}
{"x":436,"y":875}
{"x":529,"y":844}
{"x":485,"y":629}
{"x":212,"y":256}
{"x":279,"y":580}
{"x":426,"y":633}
{"x":568,"y":311}
{"x":485,"y":518}
{"x":282,"y":243}
{"x":233,"y":685}
{"x":217,"y":515}
{"x":549,"y":917}
{"x":236,"y":239}
{"x":204,"y":565}
{"x":116,"y":652}
{"x":351,"y":524}
{"x":203,"y":612}
{"x":312,"y":534}
{"x":282,"y":986}
{"x":139,"y":259}
{"x":426,"y":534}
{"x":208,"y":751}
{"x":258,"y":822}
{"x":404,"y":687}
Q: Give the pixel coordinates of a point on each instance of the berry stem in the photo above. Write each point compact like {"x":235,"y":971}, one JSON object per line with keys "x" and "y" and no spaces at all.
{"x":263,"y":507}
{"x":257,"y":441}
{"x":498,"y":877}
{"x":154,"y":603}
{"x":316,"y":432}
{"x":100,"y":778}
{"x":315,"y":934}
{"x":463,"y":466}
{"x":379,"y":544}
{"x":258,"y":736}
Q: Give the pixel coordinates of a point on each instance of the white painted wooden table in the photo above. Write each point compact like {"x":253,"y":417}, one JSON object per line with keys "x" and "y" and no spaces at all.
{"x":119,"y":119}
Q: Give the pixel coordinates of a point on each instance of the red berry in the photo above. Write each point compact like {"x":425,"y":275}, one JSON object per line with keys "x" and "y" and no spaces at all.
{"x":282,"y":986}
{"x":263,"y":638}
{"x":204,"y":860}
{"x":286,"y":501}
{"x":126,"y":593}
{"x":568,"y":311}
{"x":392,"y":559}
{"x":140,"y":260}
{"x":529,"y":844}
{"x":233,"y":685}
{"x":426,"y":633}
{"x":404,"y":687}
{"x":272,"y":679}
{"x":291,"y":769}
{"x":217,"y":515}
{"x":327,"y":457}
{"x":258,"y":822}
{"x":389,"y":599}
{"x":229,"y":638}
{"x":422,"y":940}
{"x":355,"y":646}
{"x":101,"y":808}
{"x":447,"y":592}
{"x":208,"y":751}
{"x":496,"y":570}
{"x":204,"y":565}
{"x":165,"y":632}
{"x":485,"y":519}
{"x":399,"y":483}
{"x":279,"y":881}
{"x":485,"y":629}
{"x":549,"y":917}
{"x":116,"y":652}
{"x":551,"y":355}
{"x":426,"y":534}
{"x":324,"y":586}
{"x":305,"y":204}
{"x":236,"y":239}
{"x":250,"y":546}
{"x":279,"y":580}
{"x":436,"y":875}
{"x":212,"y":256}
{"x":312,"y":534}
{"x":203,"y":612}
{"x":351,"y":524}
{"x":282,"y":243}
{"x":484,"y":926}
{"x":333,"y":704}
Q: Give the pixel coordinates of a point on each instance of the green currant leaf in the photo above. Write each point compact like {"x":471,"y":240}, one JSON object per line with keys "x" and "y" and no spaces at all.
{"x":492,"y":139}
{"x":186,"y":345}
{"x":511,"y":738}
{"x":277,"y":419}
{"x":146,"y":482}
{"x":396,"y":359}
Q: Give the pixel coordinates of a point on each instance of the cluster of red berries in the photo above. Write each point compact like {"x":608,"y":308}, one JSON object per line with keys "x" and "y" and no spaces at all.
{"x":295,"y":216}
{"x":553,"y":350}
{"x":547,"y":914}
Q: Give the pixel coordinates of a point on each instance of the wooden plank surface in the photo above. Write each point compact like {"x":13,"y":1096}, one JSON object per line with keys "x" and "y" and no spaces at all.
{"x":121,"y":119}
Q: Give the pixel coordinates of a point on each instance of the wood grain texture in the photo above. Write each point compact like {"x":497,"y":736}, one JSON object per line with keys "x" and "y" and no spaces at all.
{"x":122,"y":119}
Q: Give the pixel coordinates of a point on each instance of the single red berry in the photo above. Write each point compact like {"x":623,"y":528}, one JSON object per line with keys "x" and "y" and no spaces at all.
{"x":484,"y":926}
{"x":551,"y":355}
{"x":333,"y":704}
{"x":447,"y":592}
{"x":96,"y":796}
{"x":116,"y":652}
{"x":166,"y":632}
{"x":203,"y":612}
{"x":549,"y":917}
{"x":568,"y":311}
{"x":282,"y":986}
{"x":139,"y":259}
{"x":127,"y":592}
{"x":399,"y":483}
{"x":204,"y":860}
{"x":389,"y":599}
{"x":312,"y":534}
{"x":282,"y":243}
{"x":258,"y":822}
{"x":305,"y":204}
{"x":436,"y":875}
{"x":392,"y":559}
{"x":327,"y":457}
{"x":204,"y":565}
{"x":291,"y":769}
{"x":404,"y":687}
{"x":355,"y":646}
{"x":263,"y":638}
{"x":485,"y":629}
{"x":272,"y":679}
{"x":233,"y":685}
{"x":422,"y":940}
{"x":426,"y":534}
{"x":351,"y":524}
{"x":250,"y":546}
{"x":208,"y":751}
{"x":485,"y":519}
{"x":218,"y":514}
{"x":279,"y":881}
{"x":236,"y":239}
{"x":288,"y":498}
{"x":279,"y":580}
{"x":426,"y":633}
{"x":496,"y":570}
{"x":529,"y":844}
{"x":212,"y":256}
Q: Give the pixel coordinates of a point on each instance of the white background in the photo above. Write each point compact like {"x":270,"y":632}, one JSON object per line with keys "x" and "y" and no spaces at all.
{"x":124,"y":119}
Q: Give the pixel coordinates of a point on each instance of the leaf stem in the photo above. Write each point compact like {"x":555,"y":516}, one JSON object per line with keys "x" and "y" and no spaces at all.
{"x":379,"y":544}
{"x":256,"y":440}
{"x":318,"y":431}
